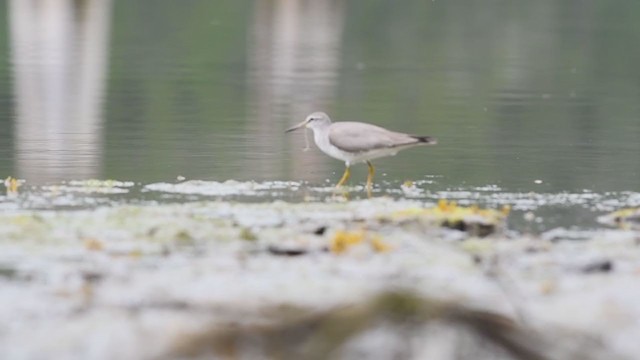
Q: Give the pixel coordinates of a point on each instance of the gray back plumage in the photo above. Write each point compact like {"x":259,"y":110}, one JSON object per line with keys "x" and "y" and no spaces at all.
{"x":358,"y":137}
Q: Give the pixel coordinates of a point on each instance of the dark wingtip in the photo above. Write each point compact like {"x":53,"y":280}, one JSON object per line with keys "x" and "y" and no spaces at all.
{"x":430,"y":140}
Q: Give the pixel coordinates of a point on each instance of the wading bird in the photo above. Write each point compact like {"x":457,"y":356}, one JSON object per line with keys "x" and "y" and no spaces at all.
{"x":356,"y":142}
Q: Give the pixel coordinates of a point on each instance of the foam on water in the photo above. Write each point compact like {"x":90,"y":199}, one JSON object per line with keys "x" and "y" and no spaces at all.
{"x":532,"y":211}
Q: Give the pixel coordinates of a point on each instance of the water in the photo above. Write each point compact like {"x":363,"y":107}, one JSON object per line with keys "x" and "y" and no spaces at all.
{"x":534,"y":103}
{"x":531,"y":100}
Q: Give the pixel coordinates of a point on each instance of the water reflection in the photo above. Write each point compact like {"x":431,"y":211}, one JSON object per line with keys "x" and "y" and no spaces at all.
{"x":58,"y":53}
{"x":294,"y":55}
{"x":534,"y":90}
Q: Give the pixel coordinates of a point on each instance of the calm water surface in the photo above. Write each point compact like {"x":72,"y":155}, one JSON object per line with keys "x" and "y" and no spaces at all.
{"x":525,"y":97}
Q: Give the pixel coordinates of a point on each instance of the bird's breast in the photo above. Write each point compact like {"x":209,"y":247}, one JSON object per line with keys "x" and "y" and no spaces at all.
{"x":323,"y":143}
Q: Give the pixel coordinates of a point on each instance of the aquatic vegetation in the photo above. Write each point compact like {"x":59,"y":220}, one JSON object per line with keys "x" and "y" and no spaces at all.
{"x":624,"y":218}
{"x":93,"y":244}
{"x":379,"y":245}
{"x":472,"y":219}
{"x":343,"y":240}
{"x":12,"y":184}
{"x":91,"y":186}
{"x":248,"y":235}
{"x":410,"y":189}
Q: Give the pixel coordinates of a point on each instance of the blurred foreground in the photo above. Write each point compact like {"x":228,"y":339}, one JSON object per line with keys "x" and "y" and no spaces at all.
{"x":378,"y":278}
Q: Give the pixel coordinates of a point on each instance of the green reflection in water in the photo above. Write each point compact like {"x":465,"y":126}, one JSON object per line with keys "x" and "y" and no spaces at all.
{"x":515,"y":92}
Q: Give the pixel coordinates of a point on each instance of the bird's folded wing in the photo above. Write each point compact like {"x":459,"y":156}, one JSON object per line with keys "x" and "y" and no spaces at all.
{"x":360,"y":137}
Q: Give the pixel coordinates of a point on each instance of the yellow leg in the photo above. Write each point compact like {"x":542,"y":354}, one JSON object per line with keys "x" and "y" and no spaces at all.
{"x":372,"y":171}
{"x":345,"y":177}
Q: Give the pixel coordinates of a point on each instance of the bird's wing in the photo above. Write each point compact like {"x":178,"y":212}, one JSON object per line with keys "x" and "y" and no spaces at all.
{"x":359,"y":137}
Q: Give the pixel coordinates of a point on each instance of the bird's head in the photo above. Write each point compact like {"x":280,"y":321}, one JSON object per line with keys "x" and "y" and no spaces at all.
{"x":314,"y":121}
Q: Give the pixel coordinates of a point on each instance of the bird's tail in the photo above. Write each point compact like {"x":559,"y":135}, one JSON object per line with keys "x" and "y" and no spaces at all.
{"x":427,"y":140}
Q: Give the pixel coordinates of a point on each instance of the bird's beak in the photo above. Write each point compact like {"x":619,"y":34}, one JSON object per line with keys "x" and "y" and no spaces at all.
{"x":302,"y":124}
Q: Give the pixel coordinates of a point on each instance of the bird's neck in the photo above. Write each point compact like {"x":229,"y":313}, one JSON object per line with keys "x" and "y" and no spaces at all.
{"x":321,"y":137}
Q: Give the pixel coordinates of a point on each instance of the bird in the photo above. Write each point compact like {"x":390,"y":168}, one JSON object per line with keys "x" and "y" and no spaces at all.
{"x":357,"y":142}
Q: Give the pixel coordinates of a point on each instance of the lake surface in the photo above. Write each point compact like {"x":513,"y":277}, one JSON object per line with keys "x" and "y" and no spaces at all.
{"x":532,"y":102}
{"x":162,"y":200}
